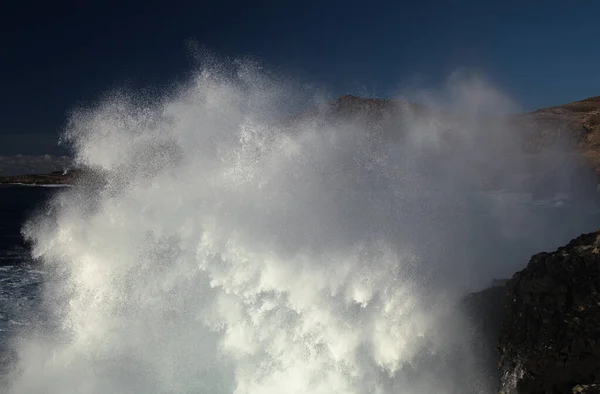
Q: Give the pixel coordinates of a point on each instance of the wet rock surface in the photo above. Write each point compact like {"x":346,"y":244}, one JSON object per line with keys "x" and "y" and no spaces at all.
{"x":587,"y":389}
{"x":550,"y":337}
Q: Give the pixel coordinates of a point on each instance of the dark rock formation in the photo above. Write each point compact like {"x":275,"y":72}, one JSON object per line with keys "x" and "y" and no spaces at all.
{"x":550,"y":337}
{"x":587,"y":389}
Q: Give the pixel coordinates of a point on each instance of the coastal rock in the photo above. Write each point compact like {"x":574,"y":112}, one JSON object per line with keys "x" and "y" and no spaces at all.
{"x":550,"y":336}
{"x":587,"y":389}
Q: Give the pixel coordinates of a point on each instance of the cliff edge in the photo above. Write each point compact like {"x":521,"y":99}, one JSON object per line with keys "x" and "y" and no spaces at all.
{"x":550,"y":336}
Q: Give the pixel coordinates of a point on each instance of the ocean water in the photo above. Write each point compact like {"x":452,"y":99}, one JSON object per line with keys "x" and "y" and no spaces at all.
{"x":20,"y":278}
{"x":217,"y":251}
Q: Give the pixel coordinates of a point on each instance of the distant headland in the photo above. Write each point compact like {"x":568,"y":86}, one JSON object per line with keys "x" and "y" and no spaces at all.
{"x":576,"y":123}
{"x":53,"y":178}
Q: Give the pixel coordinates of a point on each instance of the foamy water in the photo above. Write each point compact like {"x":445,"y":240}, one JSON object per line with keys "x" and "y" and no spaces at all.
{"x":217,"y":251}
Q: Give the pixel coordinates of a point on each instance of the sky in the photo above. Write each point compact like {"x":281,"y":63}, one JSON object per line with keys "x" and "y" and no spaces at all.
{"x":58,"y":55}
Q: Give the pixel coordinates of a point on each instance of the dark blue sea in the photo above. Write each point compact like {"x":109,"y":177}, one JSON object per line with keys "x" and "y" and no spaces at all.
{"x":20,"y":277}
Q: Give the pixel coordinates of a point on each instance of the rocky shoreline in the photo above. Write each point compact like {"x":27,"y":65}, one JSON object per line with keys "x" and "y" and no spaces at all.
{"x":53,"y":178}
{"x":545,"y":322}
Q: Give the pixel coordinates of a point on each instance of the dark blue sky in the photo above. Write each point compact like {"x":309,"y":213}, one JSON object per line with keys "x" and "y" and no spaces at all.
{"x":55,"y":56}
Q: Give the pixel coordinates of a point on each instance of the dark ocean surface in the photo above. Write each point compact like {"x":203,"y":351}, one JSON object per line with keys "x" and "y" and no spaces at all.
{"x":17,"y":203}
{"x":20,"y":277}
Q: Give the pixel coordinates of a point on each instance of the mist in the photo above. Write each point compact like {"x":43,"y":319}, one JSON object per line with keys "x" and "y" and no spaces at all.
{"x":219,"y":248}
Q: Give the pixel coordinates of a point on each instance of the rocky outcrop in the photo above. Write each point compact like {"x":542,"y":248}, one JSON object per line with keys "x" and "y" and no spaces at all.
{"x":587,"y":389}
{"x":550,"y":337}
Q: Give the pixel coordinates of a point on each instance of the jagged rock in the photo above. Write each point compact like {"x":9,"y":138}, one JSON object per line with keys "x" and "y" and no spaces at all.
{"x":587,"y":389}
{"x":550,"y":337}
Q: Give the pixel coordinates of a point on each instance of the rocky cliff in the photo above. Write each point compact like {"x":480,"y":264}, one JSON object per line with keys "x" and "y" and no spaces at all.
{"x":587,"y":389}
{"x":550,"y":336}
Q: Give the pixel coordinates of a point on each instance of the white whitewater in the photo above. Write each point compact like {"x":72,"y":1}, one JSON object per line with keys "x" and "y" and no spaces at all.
{"x":217,"y":251}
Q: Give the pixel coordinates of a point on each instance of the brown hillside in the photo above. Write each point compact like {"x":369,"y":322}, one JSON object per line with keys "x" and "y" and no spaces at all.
{"x":581,"y":121}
